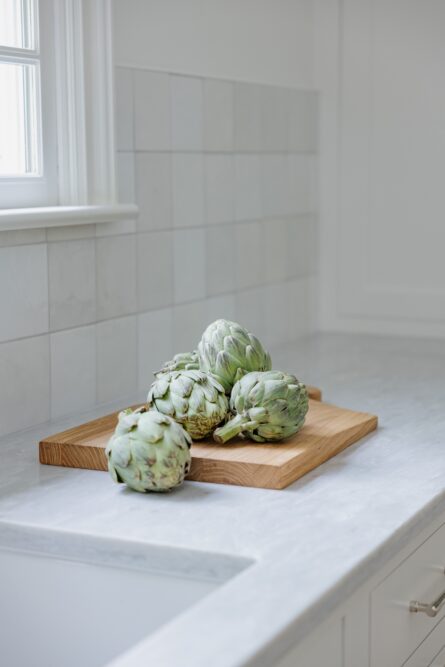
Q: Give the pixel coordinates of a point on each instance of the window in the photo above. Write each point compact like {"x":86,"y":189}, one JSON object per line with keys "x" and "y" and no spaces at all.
{"x":57,"y":161}
{"x":27,"y":142}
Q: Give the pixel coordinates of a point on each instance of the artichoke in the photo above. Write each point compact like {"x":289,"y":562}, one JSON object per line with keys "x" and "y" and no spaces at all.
{"x":148,"y":451}
{"x":229,"y":351}
{"x":181,"y":361}
{"x":194,"y":399}
{"x":267,"y":406}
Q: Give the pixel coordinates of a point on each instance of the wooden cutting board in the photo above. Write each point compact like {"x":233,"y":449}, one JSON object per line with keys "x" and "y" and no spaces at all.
{"x":327,"y":431}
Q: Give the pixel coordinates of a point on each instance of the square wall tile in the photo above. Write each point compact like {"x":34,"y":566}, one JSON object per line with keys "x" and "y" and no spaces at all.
{"x":247,"y":117}
{"x":314,"y":196}
{"x":115,"y":228}
{"x":155,"y":270}
{"x":188,"y":190}
{"x":116,"y":358}
{"x":276,"y":185}
{"x":152,"y":110}
{"x":126,"y":192}
{"x":124,"y":99}
{"x":73,"y":371}
{"x":189,"y":322}
{"x":189,"y":264}
{"x":249,"y":255}
{"x":303,"y":121}
{"x":72,"y":283}
{"x":248,"y":204}
{"x":302,"y":174}
{"x":219,"y":188}
{"x":276,"y":325}
{"x":275,"y":236}
{"x":155,"y":344}
{"x":218,"y":115}
{"x":24,"y":397}
{"x":23,"y":291}
{"x":115,"y":276}
{"x":71,"y":232}
{"x":221,"y":259}
{"x":186,"y":113}
{"x":250,"y":310}
{"x":220,"y":307}
{"x":302,"y":306}
{"x":274,"y":119}
{"x":22,"y":237}
{"x":301,"y":246}
{"x":125,"y":178}
{"x":154,"y":190}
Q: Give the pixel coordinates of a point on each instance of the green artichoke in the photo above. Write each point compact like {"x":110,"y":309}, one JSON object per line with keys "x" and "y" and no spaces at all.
{"x":148,"y":451}
{"x":229,"y":351}
{"x":267,"y":406}
{"x":194,"y":399}
{"x":181,"y":361}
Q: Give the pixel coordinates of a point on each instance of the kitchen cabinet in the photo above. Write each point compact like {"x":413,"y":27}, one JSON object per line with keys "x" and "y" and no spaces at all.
{"x":376,"y":627}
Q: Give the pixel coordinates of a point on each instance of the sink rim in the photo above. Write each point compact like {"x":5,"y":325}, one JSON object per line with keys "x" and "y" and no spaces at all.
{"x":137,"y":555}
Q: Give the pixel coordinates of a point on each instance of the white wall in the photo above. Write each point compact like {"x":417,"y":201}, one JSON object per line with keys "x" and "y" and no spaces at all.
{"x":249,"y":40}
{"x":379,"y":64}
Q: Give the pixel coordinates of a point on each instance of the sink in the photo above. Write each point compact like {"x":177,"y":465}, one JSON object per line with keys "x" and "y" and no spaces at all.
{"x":69,"y":599}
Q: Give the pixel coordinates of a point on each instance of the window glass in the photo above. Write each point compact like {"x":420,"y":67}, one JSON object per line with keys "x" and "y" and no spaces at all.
{"x":19,"y":133}
{"x":17,"y":24}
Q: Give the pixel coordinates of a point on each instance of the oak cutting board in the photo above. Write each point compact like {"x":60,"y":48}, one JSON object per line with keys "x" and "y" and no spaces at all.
{"x":327,"y":431}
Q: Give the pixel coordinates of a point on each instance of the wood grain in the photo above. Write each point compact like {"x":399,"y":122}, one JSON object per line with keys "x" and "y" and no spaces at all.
{"x":327,"y":431}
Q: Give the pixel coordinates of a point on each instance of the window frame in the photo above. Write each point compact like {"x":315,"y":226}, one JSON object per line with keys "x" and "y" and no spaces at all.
{"x":80,"y":71}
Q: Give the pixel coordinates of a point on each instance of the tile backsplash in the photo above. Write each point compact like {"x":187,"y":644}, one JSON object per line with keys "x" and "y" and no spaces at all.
{"x":224,"y":174}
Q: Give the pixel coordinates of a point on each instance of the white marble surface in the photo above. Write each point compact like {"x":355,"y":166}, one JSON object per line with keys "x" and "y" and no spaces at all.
{"x":310,"y":545}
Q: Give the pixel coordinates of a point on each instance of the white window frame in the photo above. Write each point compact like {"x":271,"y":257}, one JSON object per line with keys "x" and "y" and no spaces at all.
{"x":80,"y":46}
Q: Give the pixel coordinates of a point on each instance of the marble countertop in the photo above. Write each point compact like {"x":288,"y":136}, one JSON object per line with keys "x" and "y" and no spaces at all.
{"x":311,"y":545}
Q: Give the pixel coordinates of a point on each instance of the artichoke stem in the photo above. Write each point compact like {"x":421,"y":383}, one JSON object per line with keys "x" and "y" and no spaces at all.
{"x":233,"y":427}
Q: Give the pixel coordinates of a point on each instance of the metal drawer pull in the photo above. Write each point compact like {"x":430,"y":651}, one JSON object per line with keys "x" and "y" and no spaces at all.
{"x":431,"y":609}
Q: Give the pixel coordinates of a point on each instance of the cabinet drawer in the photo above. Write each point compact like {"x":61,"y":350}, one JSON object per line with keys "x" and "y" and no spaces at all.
{"x":395,"y":631}
{"x":431,"y":653}
{"x":439,"y":660}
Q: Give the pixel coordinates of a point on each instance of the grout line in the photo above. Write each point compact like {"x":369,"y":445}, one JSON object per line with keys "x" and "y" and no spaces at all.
{"x":255,"y":82}
{"x":207,"y":225}
{"x":133,"y":110}
{"x":299,"y":218}
{"x":168,"y":306}
{"x":96,"y":392}
{"x":50,"y":382}
{"x":234,"y":153}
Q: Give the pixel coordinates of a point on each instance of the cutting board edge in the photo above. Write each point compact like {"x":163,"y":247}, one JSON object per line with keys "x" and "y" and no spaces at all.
{"x":55,"y":453}
{"x":352,"y":435}
{"x":259,"y":475}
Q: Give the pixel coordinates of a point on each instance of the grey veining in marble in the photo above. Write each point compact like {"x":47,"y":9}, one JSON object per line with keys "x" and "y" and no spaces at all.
{"x":310,"y":545}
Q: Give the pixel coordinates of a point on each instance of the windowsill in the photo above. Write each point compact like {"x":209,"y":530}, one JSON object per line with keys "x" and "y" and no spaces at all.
{"x":62,"y":216}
